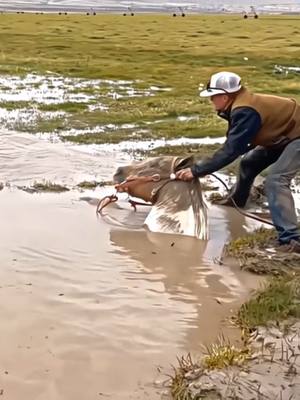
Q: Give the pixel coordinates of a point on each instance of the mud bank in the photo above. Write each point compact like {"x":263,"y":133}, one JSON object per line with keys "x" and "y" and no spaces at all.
{"x":265,"y":364}
{"x":272,"y":373}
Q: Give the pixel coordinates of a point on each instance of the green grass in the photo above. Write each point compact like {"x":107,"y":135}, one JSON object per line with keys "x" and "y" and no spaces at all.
{"x":279,"y":298}
{"x":152,"y":50}
{"x":277,"y":301}
{"x":12,"y":105}
{"x":67,"y":107}
{"x":259,"y":239}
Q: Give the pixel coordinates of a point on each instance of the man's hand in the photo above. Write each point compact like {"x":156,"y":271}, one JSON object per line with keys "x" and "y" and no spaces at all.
{"x":185,"y":174}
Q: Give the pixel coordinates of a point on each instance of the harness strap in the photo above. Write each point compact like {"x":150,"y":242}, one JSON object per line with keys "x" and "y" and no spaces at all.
{"x":135,"y":179}
{"x":124,"y":186}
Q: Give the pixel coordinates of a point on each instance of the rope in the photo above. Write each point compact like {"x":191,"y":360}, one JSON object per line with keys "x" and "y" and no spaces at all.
{"x":246,"y":214}
{"x":105,"y":201}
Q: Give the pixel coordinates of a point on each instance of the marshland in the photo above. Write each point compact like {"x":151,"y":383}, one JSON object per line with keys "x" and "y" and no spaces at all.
{"x":91,"y":310}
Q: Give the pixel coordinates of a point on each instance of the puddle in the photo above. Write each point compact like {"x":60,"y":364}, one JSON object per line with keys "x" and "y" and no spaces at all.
{"x":280,"y":69}
{"x":96,"y":129}
{"x":37,"y":90}
{"x":80,"y":297}
{"x":129,"y":146}
{"x":55,"y":89}
{"x":92,"y":310}
{"x":26,"y":159}
{"x":24,"y":117}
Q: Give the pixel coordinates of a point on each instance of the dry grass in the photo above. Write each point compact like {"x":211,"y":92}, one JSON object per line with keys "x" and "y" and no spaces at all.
{"x":179,"y":386}
{"x":223,"y":354}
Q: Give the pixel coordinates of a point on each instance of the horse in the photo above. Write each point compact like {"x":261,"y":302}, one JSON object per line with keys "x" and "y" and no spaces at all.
{"x":177,"y":206}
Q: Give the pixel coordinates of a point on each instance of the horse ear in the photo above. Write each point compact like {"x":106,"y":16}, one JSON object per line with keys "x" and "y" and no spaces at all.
{"x":185,"y":163}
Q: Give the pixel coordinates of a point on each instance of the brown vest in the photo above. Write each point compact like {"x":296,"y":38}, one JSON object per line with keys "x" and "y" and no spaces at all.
{"x":280,"y":116}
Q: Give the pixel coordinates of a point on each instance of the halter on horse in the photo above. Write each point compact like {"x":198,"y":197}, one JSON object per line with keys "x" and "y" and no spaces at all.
{"x":131,"y":183}
{"x":177,"y":206}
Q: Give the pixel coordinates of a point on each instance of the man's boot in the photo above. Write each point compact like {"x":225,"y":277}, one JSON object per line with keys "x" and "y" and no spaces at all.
{"x":292,"y":247}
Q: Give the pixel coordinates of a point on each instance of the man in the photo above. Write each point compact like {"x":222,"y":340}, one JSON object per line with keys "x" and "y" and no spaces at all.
{"x":267,"y":130}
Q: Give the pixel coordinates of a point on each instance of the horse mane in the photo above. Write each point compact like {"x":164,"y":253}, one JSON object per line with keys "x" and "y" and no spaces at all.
{"x":186,"y":162}
{"x":179,"y":207}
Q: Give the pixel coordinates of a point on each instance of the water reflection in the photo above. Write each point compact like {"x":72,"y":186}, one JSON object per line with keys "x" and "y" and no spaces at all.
{"x":187,"y":277}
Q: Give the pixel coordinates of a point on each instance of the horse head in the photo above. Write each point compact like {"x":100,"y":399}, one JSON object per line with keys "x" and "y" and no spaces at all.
{"x":178,"y":206}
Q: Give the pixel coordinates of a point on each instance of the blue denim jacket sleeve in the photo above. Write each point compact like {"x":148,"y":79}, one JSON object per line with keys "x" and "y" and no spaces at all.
{"x":244,"y":124}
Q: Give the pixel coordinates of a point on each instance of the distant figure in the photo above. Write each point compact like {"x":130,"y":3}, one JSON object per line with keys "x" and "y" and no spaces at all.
{"x":252,"y":13}
{"x":180,"y":11}
{"x":267,"y":130}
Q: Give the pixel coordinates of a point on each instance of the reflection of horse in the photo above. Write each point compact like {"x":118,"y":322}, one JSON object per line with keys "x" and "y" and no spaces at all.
{"x":178,"y":206}
{"x":205,"y":292}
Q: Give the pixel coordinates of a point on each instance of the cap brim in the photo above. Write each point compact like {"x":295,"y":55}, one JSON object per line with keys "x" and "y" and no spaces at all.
{"x":210,"y":92}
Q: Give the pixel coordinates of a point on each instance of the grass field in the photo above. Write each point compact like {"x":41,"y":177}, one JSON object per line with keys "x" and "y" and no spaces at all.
{"x":176,"y":53}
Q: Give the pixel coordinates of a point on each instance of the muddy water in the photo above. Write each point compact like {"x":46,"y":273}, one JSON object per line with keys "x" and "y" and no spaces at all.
{"x":89,"y":310}
{"x":26,"y":158}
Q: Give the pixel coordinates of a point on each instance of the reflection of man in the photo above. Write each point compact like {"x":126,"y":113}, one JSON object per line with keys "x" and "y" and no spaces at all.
{"x":267,"y":128}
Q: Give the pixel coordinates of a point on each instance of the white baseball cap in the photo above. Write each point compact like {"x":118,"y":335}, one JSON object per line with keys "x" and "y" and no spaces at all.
{"x":222,"y":83}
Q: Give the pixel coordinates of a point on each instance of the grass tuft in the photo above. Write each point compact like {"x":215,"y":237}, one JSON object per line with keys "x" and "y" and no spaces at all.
{"x":92,"y":184}
{"x":260,"y":238}
{"x":259,"y":252}
{"x":223,"y":354}
{"x":46,"y":186}
{"x":179,"y":385}
{"x":276,"y":301}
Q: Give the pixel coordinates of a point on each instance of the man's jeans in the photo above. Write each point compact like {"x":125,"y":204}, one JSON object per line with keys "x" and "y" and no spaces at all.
{"x":286,"y":163}
{"x":280,"y":198}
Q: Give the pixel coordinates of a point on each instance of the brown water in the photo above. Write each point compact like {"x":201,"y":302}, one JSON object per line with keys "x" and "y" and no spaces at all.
{"x":90,"y":310}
